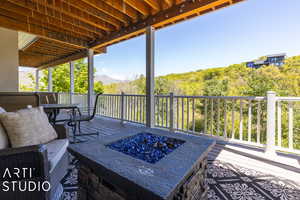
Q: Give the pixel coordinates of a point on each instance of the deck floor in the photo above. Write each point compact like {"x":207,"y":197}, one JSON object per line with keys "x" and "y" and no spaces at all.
{"x":234,"y":172}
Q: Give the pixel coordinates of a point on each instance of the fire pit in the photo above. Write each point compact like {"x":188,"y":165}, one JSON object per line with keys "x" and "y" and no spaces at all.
{"x":143,"y":165}
{"x":146,"y":146}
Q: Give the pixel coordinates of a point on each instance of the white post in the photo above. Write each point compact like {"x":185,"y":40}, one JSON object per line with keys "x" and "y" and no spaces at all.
{"x":90,"y":79}
{"x":72,"y":88}
{"x":50,"y":82}
{"x":37,"y":80}
{"x":271,"y":115}
{"x":150,"y":117}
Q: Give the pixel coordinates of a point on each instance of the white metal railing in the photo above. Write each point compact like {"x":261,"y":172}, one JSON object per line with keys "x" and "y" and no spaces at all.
{"x":288,"y":124}
{"x":231,"y":118}
{"x":271,"y":122}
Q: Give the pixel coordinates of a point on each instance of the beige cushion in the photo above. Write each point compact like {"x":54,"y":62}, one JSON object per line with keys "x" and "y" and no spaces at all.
{"x":3,"y":137}
{"x":27,"y":127}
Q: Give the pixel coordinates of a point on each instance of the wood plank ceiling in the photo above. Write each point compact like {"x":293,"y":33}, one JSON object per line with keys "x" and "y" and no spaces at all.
{"x":66,"y":28}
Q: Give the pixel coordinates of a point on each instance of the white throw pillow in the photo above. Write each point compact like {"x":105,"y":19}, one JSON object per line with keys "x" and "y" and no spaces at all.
{"x":3,"y":136}
{"x":27,"y":127}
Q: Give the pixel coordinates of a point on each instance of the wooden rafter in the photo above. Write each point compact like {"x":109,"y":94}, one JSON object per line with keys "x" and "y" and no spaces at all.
{"x":176,"y":13}
{"x":168,"y":2}
{"x":95,"y":12}
{"x":139,"y":6}
{"x":122,"y":7}
{"x":40,"y":17}
{"x":67,"y":58}
{"x":154,"y":4}
{"x":64,"y":10}
{"x":13,"y":21}
{"x":100,"y":5}
{"x":59,"y":21}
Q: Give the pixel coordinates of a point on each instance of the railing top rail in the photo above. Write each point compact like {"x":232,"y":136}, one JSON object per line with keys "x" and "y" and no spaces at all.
{"x":288,"y":98}
{"x":75,"y":93}
{"x":134,"y":95}
{"x":225,"y":97}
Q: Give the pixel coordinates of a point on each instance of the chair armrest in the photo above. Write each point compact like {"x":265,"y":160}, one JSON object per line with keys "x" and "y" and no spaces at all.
{"x":31,"y":157}
{"x":62,"y":131}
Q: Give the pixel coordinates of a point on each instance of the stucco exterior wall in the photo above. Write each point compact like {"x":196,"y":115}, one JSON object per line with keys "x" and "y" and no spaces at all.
{"x":9,"y":61}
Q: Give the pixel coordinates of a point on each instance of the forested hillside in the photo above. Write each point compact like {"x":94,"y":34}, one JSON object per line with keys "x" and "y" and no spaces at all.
{"x":234,"y":80}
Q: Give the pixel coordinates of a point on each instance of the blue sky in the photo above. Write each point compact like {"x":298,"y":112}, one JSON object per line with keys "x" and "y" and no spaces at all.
{"x":235,"y":34}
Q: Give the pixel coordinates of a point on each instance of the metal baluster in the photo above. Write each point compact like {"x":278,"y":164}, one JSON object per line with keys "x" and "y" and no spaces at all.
{"x":258,"y":122}
{"x":132,"y":109}
{"x":193,"y":115}
{"x":110,"y":105}
{"x":129,"y":108}
{"x":105,"y":104}
{"x":135,"y":109}
{"x":125,"y":109}
{"x":163,"y":111}
{"x":167,"y":112}
{"x":182,"y":113}
{"x":211,"y":116}
{"x":108,"y":102}
{"x":113,"y":106}
{"x":177,"y":113}
{"x":205,"y":116}
{"x":188,"y":114}
{"x":141,"y":109}
{"x":249,"y":120}
{"x":172,"y":118}
{"x":225,"y":119}
{"x":157,"y":111}
{"x":279,"y":130}
{"x":291,"y":124}
{"x":241,"y":120}
{"x":144,"y":109}
{"x":232,"y":119}
{"x":218,"y":116}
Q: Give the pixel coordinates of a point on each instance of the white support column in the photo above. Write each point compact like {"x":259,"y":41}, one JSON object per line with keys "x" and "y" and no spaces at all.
{"x":37,"y":80}
{"x":72,"y":88}
{"x":50,"y":82}
{"x":271,"y":123}
{"x":90,"y":79}
{"x":150,"y":117}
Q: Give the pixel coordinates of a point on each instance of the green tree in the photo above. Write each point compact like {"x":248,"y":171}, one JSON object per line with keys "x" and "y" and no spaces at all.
{"x":61,"y":79}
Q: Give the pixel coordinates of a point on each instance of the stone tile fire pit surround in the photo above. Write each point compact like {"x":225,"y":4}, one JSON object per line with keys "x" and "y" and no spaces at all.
{"x":109,"y":174}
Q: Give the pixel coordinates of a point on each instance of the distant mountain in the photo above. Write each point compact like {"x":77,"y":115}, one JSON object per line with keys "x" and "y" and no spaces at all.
{"x":106,"y":80}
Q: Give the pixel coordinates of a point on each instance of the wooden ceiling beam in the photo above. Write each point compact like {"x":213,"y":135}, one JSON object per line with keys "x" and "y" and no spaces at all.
{"x":95,"y":12}
{"x":10,"y":21}
{"x":49,"y":50}
{"x":56,"y":23}
{"x":174,"y":14}
{"x":140,"y":6}
{"x":44,"y":42}
{"x":35,"y":53}
{"x":122,"y":7}
{"x":67,"y":58}
{"x":154,"y":4}
{"x":39,"y":21}
{"x":57,"y":17}
{"x":169,"y":2}
{"x":100,"y":5}
{"x":67,"y":9}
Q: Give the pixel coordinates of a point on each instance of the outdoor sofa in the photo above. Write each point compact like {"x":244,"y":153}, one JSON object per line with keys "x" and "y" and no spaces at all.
{"x":49,"y":160}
